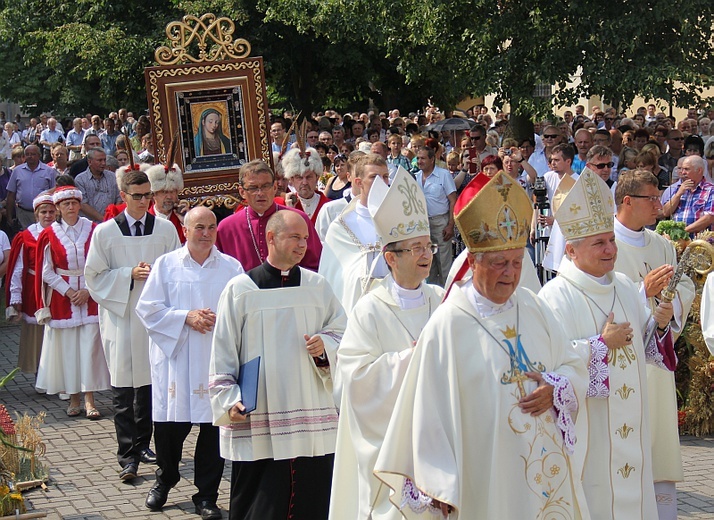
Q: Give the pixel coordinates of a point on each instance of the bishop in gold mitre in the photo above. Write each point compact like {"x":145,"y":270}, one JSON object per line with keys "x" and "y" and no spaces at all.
{"x":487,"y":409}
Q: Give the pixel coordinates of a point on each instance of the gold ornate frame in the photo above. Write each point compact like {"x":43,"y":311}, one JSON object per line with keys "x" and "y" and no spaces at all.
{"x":204,"y":65}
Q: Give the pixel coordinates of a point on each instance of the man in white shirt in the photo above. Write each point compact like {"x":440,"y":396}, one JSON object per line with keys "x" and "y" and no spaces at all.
{"x":178,"y":307}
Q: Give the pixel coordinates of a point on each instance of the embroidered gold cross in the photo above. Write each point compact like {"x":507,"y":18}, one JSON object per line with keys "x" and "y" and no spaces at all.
{"x":574,"y":208}
{"x":200,"y":392}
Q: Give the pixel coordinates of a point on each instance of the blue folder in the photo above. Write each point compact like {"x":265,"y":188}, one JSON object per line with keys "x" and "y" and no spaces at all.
{"x":248,"y":383}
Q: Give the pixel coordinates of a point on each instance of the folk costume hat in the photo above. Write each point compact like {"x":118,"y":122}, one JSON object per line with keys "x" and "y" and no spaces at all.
{"x":493,"y":214}
{"x":65,"y":193}
{"x":300,"y":159}
{"x":398,"y":211}
{"x":164,"y":177}
{"x":42,"y":198}
{"x":588,"y":209}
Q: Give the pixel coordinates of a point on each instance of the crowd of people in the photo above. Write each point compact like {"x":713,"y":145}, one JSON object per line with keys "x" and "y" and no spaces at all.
{"x":411,"y":361}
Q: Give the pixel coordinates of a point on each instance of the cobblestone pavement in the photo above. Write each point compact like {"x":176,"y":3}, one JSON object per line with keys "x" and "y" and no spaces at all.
{"x":84,"y":483}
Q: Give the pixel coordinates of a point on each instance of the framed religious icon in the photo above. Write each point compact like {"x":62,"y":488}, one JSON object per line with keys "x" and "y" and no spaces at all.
{"x":208,"y":96}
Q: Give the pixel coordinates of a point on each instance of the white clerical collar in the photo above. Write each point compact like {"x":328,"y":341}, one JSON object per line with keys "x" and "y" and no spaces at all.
{"x":602,"y":280}
{"x":628,"y":236}
{"x":310,"y":205}
{"x":362,"y":210}
{"x":407,"y":298}
{"x":483,"y":305}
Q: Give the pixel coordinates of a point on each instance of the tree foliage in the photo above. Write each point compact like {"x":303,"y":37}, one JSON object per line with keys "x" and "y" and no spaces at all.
{"x":72,"y":57}
{"x":620,"y":48}
{"x":89,"y":55}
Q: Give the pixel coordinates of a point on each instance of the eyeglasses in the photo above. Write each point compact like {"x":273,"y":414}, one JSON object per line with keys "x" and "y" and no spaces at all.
{"x":609,"y":119}
{"x":550,"y":136}
{"x":603,"y":165}
{"x":651,"y":198}
{"x":255,"y":189}
{"x":138,"y":196}
{"x":417,"y":250}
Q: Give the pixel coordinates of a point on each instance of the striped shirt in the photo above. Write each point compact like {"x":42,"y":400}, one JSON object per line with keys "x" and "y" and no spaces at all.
{"x":694,"y":204}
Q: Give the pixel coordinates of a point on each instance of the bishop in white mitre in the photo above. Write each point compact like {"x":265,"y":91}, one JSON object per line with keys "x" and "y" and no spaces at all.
{"x":178,"y":306}
{"x":377,"y":346}
{"x":483,"y":426}
{"x":606,"y":320}
{"x":649,"y":259}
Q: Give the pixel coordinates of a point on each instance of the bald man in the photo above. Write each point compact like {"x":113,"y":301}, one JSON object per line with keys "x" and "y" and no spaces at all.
{"x":178,"y":308}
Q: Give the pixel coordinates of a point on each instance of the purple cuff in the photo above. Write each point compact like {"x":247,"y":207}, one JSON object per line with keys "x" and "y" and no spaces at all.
{"x":660,"y":352}
{"x":417,"y":501}
{"x":598,"y":370}
{"x":565,"y":404}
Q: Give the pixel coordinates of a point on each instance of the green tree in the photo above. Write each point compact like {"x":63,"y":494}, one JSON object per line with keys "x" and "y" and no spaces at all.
{"x":71,"y":57}
{"x":621,"y":48}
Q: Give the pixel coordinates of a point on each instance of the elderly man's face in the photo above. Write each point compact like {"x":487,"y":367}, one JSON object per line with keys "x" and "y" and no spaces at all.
{"x":201,"y":231}
{"x":305,"y":184}
{"x":497,"y":273}
{"x":594,"y":255}
{"x":326,"y":138}
{"x":688,"y":170}
{"x":166,"y":200}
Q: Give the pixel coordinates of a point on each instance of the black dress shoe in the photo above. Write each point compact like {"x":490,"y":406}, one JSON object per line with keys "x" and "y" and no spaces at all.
{"x":208,"y":510}
{"x":157,"y":496}
{"x":129,"y":471}
{"x":147,"y":456}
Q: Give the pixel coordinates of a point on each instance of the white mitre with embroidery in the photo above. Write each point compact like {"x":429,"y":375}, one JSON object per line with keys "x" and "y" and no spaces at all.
{"x":398,"y":211}
{"x":588,"y":209}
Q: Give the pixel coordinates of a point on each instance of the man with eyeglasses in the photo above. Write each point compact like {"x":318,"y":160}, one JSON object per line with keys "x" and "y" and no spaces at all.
{"x":600,"y":161}
{"x":378,"y":343}
{"x":242,"y":235}
{"x":277,"y":134}
{"x":649,"y":261}
{"x":119,"y":261}
{"x":540,"y":159}
{"x":691,"y":198}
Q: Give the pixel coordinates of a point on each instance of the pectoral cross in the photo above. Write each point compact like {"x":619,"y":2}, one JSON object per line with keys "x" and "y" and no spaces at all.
{"x":516,"y":376}
{"x":200,"y":392}
{"x":172,"y":389}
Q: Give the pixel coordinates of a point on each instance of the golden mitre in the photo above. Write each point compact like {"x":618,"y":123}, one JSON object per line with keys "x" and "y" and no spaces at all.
{"x":588,"y":209}
{"x":493,"y":214}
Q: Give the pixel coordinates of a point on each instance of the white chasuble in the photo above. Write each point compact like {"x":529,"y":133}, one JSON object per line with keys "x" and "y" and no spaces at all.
{"x":635,"y":263}
{"x":295,"y":414}
{"x":373,"y":358}
{"x":457,"y":432}
{"x":614,"y":450}
{"x":346,"y":260}
{"x":110,"y":259}
{"x":179,"y":355}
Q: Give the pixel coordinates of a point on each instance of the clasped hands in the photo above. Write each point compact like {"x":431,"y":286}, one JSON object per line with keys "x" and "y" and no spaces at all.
{"x":201,"y":320}
{"x":79,"y":297}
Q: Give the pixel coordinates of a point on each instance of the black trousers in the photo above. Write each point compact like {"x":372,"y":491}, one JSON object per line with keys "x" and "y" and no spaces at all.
{"x":132,"y":420}
{"x":207,"y":462}
{"x":269,"y":489}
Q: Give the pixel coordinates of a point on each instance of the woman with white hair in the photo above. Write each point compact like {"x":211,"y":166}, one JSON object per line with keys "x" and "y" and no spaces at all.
{"x":72,"y":358}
